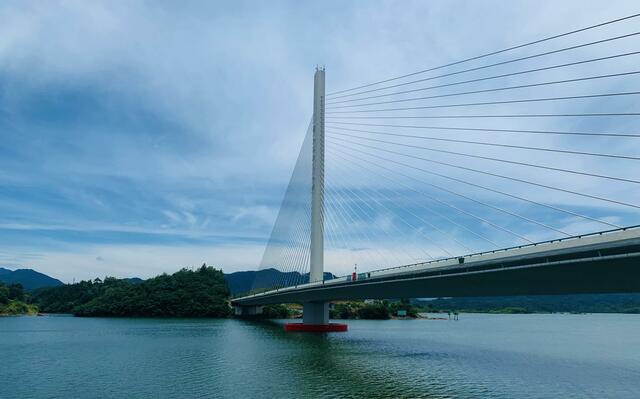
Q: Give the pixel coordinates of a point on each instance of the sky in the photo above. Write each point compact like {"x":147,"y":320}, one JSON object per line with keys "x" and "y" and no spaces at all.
{"x":140,"y":137}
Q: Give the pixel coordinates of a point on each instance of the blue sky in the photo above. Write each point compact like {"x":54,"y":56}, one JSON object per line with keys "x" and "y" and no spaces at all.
{"x":139,"y":137}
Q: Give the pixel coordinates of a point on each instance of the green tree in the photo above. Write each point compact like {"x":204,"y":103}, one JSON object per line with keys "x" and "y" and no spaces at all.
{"x":4,"y":293}
{"x":346,"y":310}
{"x":275,"y":312}
{"x":376,"y":310}
{"x":404,"y":304}
{"x":16,"y":292}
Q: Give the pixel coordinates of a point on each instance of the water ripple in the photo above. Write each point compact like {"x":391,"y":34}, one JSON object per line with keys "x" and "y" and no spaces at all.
{"x":481,"y":356}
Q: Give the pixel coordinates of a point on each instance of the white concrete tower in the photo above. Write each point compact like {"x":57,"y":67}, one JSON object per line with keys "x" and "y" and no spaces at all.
{"x":317,"y":189}
{"x":316,"y":313}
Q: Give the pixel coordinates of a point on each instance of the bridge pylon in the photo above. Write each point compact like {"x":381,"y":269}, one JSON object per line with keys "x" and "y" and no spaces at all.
{"x":316,"y":272}
{"x":316,"y":314}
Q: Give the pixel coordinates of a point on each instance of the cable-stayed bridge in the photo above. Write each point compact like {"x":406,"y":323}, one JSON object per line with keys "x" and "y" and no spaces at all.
{"x":513,"y":172}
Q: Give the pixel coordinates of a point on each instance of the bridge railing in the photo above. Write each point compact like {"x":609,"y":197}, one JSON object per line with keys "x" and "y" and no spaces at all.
{"x":494,"y":251}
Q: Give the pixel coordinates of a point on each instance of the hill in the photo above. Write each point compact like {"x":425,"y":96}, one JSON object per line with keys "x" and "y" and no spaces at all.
{"x":28,"y":278}
{"x":240,"y":282}
{"x":186,"y":293}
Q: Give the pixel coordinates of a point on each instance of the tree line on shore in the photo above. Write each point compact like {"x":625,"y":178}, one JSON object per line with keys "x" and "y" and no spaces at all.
{"x":186,"y":293}
{"x":579,"y":303}
{"x":378,"y":310}
{"x":366,"y":310}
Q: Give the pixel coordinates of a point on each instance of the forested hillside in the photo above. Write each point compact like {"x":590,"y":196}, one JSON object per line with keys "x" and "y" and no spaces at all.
{"x":186,"y":293}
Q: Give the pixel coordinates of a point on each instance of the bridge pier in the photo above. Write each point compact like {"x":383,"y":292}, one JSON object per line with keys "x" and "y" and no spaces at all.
{"x":315,"y":313}
{"x":247,"y":311}
{"x":315,"y":318}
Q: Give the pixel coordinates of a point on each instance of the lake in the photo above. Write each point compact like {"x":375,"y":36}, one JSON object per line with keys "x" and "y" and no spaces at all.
{"x":479,"y":356}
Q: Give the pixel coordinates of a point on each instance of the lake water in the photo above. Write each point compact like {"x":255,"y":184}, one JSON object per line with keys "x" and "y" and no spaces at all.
{"x":479,"y":356}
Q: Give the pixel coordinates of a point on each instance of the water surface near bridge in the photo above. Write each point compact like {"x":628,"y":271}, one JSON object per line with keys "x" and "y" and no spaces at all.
{"x":480,"y":356}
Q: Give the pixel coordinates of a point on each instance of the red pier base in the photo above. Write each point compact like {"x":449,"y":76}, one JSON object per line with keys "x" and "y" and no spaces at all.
{"x":331,"y":327}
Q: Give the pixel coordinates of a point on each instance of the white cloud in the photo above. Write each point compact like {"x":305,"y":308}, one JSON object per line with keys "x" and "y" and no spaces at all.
{"x":143,"y":261}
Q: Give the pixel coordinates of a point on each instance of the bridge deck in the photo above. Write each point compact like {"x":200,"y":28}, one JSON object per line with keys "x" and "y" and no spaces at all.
{"x":595,"y":263}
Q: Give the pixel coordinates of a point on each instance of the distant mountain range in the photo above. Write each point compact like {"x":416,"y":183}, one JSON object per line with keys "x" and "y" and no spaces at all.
{"x":30,"y":279}
{"x":240,"y":282}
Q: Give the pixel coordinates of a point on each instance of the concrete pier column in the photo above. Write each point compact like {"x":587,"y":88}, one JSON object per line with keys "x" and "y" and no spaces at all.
{"x":315,"y":313}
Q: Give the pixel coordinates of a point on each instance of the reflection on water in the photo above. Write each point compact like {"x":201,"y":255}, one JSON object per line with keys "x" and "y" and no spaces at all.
{"x":480,"y":356}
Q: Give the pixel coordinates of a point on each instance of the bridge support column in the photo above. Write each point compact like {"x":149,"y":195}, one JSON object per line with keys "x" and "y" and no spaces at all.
{"x":315,"y":318}
{"x":316,"y":313}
